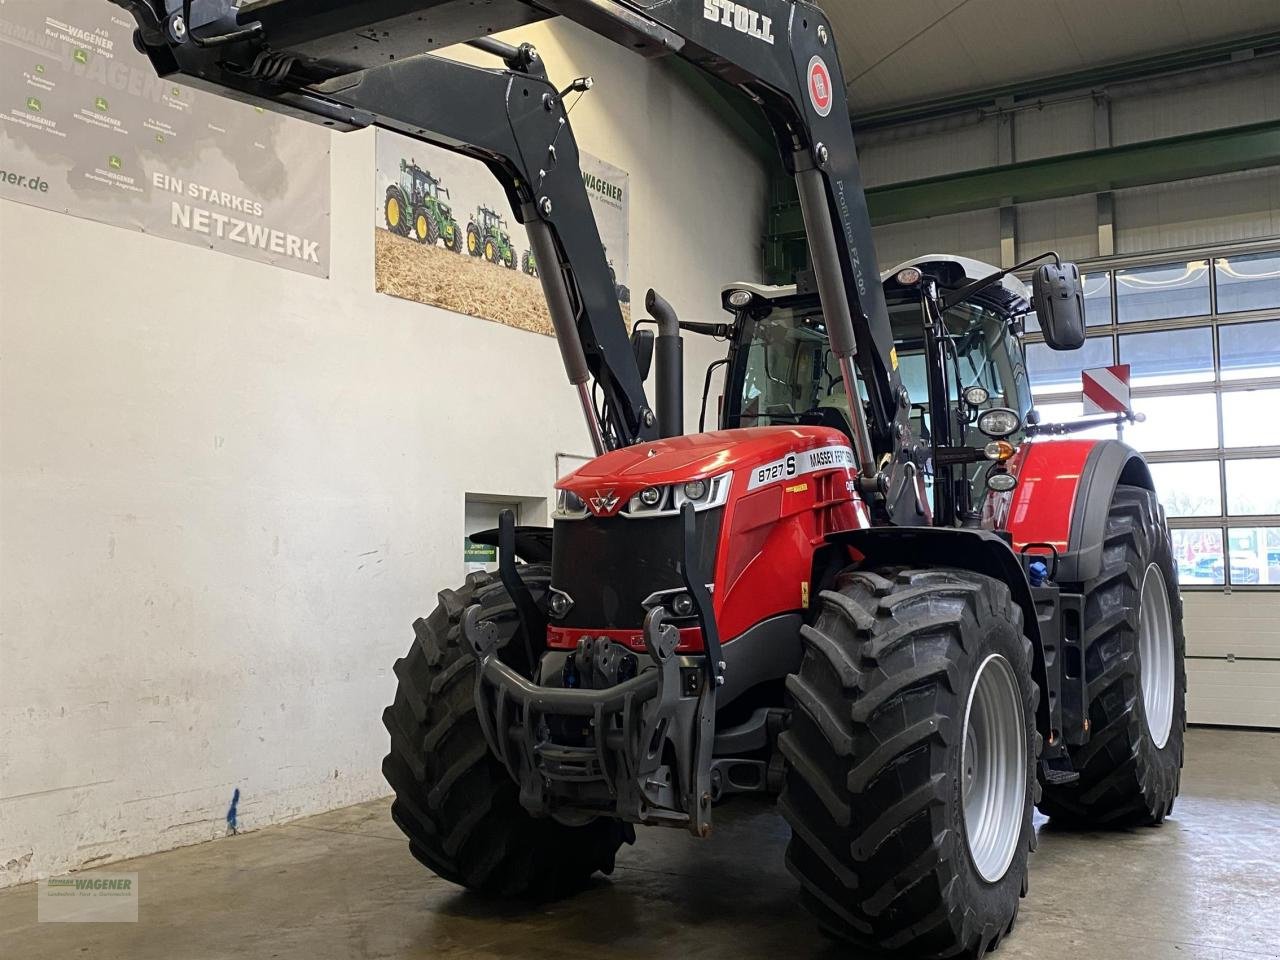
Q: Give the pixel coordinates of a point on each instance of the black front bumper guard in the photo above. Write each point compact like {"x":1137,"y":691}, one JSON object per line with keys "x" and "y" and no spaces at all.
{"x":639,"y":749}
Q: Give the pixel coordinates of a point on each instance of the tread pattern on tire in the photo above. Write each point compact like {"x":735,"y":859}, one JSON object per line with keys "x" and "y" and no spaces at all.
{"x":1124,"y":779}
{"x":878,"y":860}
{"x":454,"y":801}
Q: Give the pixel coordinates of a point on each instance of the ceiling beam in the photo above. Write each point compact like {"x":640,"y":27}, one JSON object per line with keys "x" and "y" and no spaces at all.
{"x":1213,"y":152}
{"x":1195,"y":58}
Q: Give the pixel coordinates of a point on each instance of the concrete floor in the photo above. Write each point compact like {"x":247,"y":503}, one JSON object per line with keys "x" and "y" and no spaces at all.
{"x":1206,"y":886}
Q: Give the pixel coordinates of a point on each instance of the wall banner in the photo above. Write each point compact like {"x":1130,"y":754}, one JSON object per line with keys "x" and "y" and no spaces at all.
{"x":445,"y":235}
{"x":88,"y":129}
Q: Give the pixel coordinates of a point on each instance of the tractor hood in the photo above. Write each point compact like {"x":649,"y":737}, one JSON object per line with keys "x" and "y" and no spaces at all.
{"x":697,"y":457}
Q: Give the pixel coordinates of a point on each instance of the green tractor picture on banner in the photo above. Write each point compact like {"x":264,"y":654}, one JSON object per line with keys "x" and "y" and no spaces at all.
{"x":445,"y":234}
{"x":488,"y":236}
{"x":417,"y":207}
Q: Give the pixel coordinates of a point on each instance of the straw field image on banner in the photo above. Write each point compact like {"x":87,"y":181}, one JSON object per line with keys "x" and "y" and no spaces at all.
{"x":445,"y":235}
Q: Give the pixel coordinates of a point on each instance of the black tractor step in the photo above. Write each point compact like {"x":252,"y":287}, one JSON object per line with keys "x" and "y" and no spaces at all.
{"x":1058,"y":773}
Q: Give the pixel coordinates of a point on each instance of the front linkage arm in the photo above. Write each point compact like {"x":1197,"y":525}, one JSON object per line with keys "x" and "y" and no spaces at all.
{"x":333,"y":63}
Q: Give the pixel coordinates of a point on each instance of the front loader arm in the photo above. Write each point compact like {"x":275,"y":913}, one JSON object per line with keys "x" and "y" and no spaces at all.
{"x":342,"y":62}
{"x":511,"y":119}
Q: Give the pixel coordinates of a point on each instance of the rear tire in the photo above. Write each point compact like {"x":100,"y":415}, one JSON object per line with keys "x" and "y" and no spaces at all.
{"x":1131,"y":768}
{"x":876,"y":788}
{"x":474,"y":244}
{"x":454,"y":800}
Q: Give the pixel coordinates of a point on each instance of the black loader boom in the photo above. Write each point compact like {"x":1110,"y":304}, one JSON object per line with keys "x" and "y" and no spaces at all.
{"x":349,"y":64}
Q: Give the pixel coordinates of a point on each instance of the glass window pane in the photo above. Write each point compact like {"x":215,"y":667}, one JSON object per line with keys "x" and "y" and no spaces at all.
{"x":1189,"y":489}
{"x":1186,"y":422}
{"x":1073,"y":410}
{"x":1097,"y":302}
{"x":1251,"y":418}
{"x":1161,"y":293}
{"x":1252,"y":487}
{"x":1097,"y":299}
{"x":1254,"y":555}
{"x":1248,"y":283}
{"x":1250,"y":350}
{"x":1174,"y":356}
{"x":1198,"y":554}
{"x":1058,"y":371}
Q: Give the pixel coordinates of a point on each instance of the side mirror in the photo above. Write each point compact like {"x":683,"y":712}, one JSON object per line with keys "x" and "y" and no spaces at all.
{"x":1057,"y":294}
{"x":642,"y":347}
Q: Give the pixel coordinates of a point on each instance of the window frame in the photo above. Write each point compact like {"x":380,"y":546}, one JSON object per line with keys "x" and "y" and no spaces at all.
{"x":1217,"y":387}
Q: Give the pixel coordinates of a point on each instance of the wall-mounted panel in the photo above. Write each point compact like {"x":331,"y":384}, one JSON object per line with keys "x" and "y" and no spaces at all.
{"x":1068,"y":226}
{"x":1053,"y":129}
{"x":931,"y":155}
{"x":1204,"y":212}
{"x":90,"y":130}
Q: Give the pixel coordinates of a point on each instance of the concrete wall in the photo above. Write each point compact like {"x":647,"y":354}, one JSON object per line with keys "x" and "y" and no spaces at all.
{"x":229,"y":489}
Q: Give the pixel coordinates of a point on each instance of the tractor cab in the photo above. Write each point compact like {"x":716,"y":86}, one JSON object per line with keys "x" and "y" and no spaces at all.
{"x":490,"y":220}
{"x":420,"y":184}
{"x":956,"y":372}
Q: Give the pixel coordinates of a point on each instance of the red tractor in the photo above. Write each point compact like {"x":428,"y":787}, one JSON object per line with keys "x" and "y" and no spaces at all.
{"x":874,"y":591}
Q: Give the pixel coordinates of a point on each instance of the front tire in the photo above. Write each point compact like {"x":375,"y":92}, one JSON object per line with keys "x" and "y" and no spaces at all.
{"x":886,"y":816}
{"x":1134,"y":663}
{"x":454,"y":800}
{"x":424,"y":228}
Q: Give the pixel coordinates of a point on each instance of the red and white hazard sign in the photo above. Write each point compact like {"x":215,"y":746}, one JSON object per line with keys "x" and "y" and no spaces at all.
{"x":1106,"y":389}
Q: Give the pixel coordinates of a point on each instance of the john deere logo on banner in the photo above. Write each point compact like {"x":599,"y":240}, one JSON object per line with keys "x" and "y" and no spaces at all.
{"x":445,"y":234}
{"x":87,"y":128}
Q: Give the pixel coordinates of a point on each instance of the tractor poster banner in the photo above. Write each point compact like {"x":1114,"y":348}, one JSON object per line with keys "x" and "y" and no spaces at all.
{"x":88,"y":129}
{"x":445,"y":235}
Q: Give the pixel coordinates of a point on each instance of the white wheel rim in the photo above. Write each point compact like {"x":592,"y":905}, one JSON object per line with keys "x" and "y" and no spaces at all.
{"x":993,"y":766}
{"x":1155,"y":655}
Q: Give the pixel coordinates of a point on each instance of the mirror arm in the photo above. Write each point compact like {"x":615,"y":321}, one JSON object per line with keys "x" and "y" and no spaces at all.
{"x":1075,"y":426}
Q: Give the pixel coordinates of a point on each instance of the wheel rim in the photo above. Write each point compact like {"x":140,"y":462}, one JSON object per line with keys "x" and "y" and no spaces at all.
{"x":1155,"y":655}
{"x":393,"y":212}
{"x":993,"y":765}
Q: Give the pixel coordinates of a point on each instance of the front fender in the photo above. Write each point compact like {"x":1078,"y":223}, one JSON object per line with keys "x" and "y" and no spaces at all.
{"x":1063,"y":496}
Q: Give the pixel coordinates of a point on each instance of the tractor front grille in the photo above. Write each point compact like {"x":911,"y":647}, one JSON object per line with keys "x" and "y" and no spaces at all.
{"x":610,"y":565}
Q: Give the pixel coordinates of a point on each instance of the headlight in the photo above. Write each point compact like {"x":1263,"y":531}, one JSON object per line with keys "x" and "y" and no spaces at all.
{"x":1001,"y":482}
{"x":999,"y":423}
{"x":667,"y":501}
{"x":976,"y":396}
